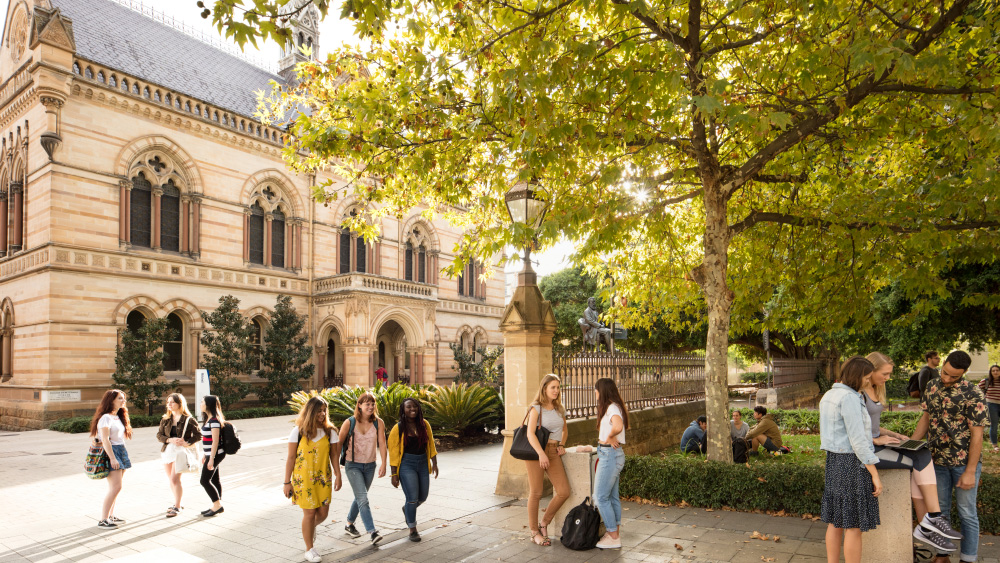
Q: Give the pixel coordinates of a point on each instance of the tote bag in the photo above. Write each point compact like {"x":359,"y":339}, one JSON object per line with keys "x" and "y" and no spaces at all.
{"x":97,"y":465}
{"x":187,"y":457}
{"x":520,"y":447}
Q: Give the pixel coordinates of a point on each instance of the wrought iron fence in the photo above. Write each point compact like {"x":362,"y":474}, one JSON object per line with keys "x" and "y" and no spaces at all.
{"x":644,"y":380}
{"x":789,"y":371}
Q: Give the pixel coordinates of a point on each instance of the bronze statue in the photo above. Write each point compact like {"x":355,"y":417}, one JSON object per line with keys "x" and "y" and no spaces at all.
{"x":594,"y":332}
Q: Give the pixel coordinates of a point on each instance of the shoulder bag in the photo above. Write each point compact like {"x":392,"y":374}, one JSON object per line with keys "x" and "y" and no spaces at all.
{"x":97,"y":464}
{"x":520,"y":447}
{"x":187,"y":456}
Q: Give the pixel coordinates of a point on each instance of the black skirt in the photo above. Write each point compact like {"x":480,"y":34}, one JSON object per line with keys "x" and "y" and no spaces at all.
{"x":847,"y":496}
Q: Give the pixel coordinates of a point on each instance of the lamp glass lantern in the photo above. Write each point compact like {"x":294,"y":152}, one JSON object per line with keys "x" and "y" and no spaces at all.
{"x":525,"y":206}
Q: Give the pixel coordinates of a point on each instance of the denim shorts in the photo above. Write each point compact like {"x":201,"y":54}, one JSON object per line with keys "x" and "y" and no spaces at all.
{"x":122,"y":456}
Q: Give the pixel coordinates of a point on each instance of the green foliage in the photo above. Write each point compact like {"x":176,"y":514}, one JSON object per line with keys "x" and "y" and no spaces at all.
{"x":795,"y":489}
{"x":229,"y":350}
{"x":285,"y":359}
{"x":452,"y":411}
{"x":755,"y":377}
{"x":803,"y":421}
{"x":78,"y":424}
{"x":139,"y":363}
{"x":461,"y":409}
{"x":568,"y":291}
{"x":487,"y":371}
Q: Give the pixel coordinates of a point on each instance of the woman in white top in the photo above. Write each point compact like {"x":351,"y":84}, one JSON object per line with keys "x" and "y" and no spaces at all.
{"x":111,"y":427}
{"x":613,"y":418}
{"x":546,"y":410}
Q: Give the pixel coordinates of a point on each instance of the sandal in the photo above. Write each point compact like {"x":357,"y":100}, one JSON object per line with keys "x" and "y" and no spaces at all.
{"x":173,"y":511}
{"x":544,"y":541}
{"x":544,"y":530}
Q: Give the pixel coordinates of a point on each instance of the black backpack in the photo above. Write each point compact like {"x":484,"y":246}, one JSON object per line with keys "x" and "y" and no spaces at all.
{"x":230,"y":439}
{"x":741,"y":450}
{"x":582,"y":528}
{"x":913,"y":385}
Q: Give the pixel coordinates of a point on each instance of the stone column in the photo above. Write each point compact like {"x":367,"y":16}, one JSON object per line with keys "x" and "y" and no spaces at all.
{"x":528,"y":325}
{"x":354,"y":252}
{"x":320,"y":367}
{"x":268,"y":222}
{"x":124,"y":187}
{"x":246,"y":235}
{"x":185,"y":209}
{"x":128,"y":212}
{"x":419,"y":377}
{"x":4,"y":221}
{"x":8,"y":350}
{"x":298,"y":246}
{"x":17,"y":242}
{"x":195,"y":347}
{"x":196,"y":226}
{"x":157,"y":195}
{"x":357,"y":361}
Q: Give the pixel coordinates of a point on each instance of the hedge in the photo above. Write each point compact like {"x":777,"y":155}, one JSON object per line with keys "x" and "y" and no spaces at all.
{"x":802,"y":421}
{"x":795,"y":489}
{"x":78,"y":424}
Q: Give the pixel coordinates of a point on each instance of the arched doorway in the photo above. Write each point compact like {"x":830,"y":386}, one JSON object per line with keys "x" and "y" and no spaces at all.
{"x":330,"y":356}
{"x":391,"y":352}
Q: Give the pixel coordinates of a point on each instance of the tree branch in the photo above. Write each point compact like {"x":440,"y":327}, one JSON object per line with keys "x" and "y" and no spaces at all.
{"x":782,"y":178}
{"x":664,"y":31}
{"x":755,"y":38}
{"x":934,"y":90}
{"x":899,"y":24}
{"x":756,"y":217}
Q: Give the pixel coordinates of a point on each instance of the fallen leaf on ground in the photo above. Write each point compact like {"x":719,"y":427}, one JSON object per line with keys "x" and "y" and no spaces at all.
{"x":678,"y":547}
{"x":762,"y":558}
{"x":759,"y":536}
{"x":776,"y":539}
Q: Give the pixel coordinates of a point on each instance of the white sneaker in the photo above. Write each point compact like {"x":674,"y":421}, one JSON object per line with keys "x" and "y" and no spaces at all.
{"x":607,"y":542}
{"x":312,"y":556}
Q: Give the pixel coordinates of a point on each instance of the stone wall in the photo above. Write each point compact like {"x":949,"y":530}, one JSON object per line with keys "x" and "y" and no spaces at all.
{"x":652,"y":430}
{"x":798,"y":396}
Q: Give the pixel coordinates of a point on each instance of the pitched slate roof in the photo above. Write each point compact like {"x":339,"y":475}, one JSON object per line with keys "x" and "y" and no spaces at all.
{"x":120,"y":38}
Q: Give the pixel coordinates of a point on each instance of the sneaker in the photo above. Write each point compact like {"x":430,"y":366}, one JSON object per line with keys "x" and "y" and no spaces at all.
{"x":312,"y":556}
{"x":610,"y":543}
{"x":933,"y":539}
{"x":106,"y":524}
{"x":352,"y":531}
{"x":376,"y":537}
{"x":116,"y":519}
{"x":414,"y":536}
{"x":940,"y":525}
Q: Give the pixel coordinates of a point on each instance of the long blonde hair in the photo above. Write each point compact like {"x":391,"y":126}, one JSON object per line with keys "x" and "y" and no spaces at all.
{"x":180,"y":400}
{"x":362,"y":398}
{"x":307,"y":418}
{"x":879,"y":360}
{"x":540,"y":397}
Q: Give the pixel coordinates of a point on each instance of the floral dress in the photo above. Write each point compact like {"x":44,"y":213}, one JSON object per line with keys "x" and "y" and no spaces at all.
{"x":312,"y":483}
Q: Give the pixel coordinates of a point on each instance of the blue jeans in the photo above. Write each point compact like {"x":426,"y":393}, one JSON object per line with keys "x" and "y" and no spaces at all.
{"x":994,"y":418}
{"x":610,"y":462}
{"x":416,"y":483}
{"x":360,"y":476}
{"x":947,"y":478}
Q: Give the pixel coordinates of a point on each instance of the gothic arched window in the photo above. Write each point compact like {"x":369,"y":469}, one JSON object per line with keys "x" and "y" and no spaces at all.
{"x":256,"y":234}
{"x":278,"y":239}
{"x":408,"y":263}
{"x":353,"y":250}
{"x":173,"y":349}
{"x":134,"y":321}
{"x":141,"y":211}
{"x":255,"y":341}
{"x":155,"y":213}
{"x":170,"y":214}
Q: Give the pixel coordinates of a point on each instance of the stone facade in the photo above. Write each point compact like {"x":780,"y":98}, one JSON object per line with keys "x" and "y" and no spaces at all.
{"x":121,"y":195}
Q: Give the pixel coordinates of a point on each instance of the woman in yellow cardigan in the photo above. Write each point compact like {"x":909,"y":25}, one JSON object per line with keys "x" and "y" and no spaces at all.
{"x":413,"y":458}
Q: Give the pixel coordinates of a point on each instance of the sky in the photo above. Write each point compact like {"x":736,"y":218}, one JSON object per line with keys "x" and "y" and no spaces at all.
{"x":334,"y":32}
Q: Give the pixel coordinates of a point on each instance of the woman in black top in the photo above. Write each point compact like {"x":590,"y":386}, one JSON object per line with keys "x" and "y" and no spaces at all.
{"x":178,"y":430}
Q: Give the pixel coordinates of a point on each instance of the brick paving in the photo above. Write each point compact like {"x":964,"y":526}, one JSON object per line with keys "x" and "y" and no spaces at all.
{"x":50,"y":510}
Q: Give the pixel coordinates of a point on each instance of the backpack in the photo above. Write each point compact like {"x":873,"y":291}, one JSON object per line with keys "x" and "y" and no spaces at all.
{"x":913,"y":385}
{"x":741,"y":450}
{"x":350,"y":438}
{"x":230,"y":439}
{"x":582,"y":527}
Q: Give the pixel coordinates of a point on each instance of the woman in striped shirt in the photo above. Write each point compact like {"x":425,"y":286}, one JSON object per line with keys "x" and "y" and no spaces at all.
{"x":211,"y":432}
{"x":991,"y":386}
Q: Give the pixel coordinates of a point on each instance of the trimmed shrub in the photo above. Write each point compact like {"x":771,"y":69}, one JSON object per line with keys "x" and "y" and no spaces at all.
{"x":78,"y":424}
{"x":754,"y":377}
{"x":802,"y":421}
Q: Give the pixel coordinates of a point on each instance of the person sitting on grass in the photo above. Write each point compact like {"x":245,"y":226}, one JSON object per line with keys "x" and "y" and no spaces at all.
{"x":737,"y":427}
{"x":694,"y":439}
{"x":765,"y":433}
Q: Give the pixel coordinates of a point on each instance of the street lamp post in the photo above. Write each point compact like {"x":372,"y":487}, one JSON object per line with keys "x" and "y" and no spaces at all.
{"x":528,"y":325}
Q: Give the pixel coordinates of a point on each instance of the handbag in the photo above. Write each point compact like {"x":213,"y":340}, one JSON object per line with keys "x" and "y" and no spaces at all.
{"x":97,"y":465}
{"x":187,"y":456}
{"x":520,"y":447}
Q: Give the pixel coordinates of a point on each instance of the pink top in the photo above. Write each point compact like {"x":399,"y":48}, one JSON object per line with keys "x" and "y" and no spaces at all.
{"x":362,"y":450}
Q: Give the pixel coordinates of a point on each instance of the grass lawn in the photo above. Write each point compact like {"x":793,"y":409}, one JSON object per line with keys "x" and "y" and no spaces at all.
{"x":805,"y":451}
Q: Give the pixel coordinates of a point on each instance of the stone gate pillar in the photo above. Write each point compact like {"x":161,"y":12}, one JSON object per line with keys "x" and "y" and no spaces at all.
{"x":528,"y":325}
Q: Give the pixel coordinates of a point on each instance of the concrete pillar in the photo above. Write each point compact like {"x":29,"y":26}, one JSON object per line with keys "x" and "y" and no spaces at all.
{"x":580,"y":474}
{"x":528,"y":325}
{"x":893,"y":537}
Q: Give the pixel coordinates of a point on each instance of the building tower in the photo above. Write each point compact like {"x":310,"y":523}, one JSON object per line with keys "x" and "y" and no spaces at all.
{"x":305,"y":33}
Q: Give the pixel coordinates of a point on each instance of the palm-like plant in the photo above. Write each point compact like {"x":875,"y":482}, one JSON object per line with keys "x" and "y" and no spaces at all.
{"x":454,"y":410}
{"x":343,"y":399}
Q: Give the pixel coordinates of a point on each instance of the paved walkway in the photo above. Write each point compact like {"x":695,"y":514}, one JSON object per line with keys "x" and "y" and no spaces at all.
{"x":50,"y":510}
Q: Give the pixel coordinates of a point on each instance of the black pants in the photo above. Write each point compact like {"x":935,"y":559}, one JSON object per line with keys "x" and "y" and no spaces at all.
{"x":210,"y":479}
{"x":694,"y":446}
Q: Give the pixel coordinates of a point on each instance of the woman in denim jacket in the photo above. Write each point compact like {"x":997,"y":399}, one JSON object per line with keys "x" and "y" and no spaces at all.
{"x":850,"y":496}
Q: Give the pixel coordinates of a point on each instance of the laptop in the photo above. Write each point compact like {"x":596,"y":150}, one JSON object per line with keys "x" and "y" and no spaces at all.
{"x":910,"y":445}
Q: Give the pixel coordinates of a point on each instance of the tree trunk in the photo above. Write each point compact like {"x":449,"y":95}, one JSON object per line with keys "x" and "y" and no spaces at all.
{"x":719,"y":299}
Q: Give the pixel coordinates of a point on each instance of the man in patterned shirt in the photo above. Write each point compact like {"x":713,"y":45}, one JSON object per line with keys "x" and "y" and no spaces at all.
{"x":953,"y":420}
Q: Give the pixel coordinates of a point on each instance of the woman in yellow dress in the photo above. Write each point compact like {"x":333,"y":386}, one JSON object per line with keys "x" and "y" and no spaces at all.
{"x":313,"y":450}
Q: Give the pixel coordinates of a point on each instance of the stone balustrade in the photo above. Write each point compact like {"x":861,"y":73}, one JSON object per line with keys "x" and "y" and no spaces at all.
{"x":373,"y":283}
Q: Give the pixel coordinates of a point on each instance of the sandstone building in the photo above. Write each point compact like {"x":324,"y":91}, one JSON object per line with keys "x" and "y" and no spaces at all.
{"x":135,"y":182}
